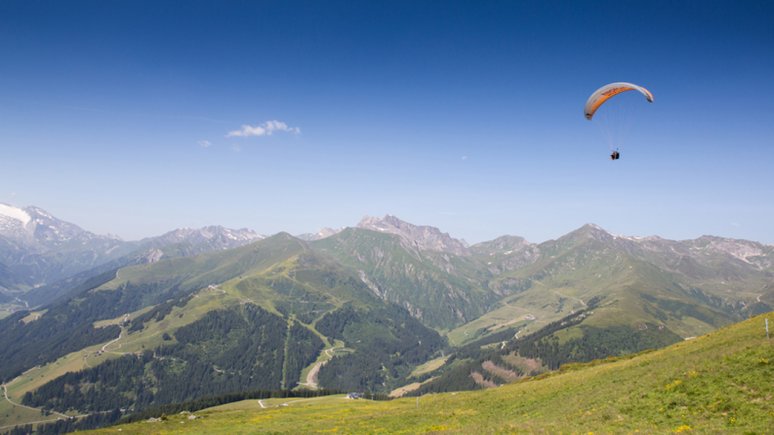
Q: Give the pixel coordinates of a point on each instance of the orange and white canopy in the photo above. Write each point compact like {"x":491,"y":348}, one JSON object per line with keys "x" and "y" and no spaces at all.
{"x":608,"y":91}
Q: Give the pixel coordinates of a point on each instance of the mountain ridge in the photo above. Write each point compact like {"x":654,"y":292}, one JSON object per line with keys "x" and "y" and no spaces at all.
{"x":369,"y":294}
{"x":424,"y":237}
{"x":38,"y":250}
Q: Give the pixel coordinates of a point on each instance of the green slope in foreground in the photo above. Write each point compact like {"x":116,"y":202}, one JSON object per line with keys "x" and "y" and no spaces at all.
{"x":720,"y":382}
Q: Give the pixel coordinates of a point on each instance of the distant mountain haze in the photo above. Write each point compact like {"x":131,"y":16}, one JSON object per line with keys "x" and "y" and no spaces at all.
{"x":38,"y":249}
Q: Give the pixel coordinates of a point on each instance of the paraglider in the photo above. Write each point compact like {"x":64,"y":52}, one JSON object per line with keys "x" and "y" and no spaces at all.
{"x":606,"y":92}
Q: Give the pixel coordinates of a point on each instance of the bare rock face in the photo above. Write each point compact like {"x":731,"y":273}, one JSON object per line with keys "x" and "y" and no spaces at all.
{"x":422,"y":237}
{"x":322,"y":234}
{"x":212,"y":238}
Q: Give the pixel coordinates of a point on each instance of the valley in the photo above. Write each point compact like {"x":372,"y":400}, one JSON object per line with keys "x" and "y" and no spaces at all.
{"x":386,"y":307}
{"x":720,"y":382}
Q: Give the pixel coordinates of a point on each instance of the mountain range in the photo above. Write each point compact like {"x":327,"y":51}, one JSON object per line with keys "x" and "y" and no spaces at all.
{"x":385,"y":306}
{"x":39,"y":251}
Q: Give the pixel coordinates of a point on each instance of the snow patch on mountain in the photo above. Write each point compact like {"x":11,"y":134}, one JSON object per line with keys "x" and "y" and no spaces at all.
{"x":15,"y":213}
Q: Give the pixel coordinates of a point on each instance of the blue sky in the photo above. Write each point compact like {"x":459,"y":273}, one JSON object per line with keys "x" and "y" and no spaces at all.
{"x":125,"y":117}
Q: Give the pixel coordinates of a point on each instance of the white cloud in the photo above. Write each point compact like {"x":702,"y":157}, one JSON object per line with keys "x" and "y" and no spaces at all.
{"x":204,"y":143}
{"x":264,"y":129}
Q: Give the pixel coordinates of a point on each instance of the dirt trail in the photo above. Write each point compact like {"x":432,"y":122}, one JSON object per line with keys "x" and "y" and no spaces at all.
{"x":311,"y":377}
{"x":104,"y":346}
{"x":5,"y":394}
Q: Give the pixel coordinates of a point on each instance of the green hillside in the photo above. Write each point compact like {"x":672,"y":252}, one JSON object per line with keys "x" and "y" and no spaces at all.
{"x":443,"y":290}
{"x":366,"y":310}
{"x":68,"y":325}
{"x":586,"y":296}
{"x":256,"y":317}
{"x":720,"y":382}
{"x":590,"y":263}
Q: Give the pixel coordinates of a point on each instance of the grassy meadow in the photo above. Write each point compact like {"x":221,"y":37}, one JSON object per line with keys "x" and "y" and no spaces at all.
{"x":720,"y":382}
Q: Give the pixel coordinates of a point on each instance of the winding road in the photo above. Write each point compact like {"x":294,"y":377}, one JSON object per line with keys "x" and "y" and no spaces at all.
{"x":104,"y":346}
{"x":311,"y":377}
{"x":5,"y":394}
{"x":61,"y":416}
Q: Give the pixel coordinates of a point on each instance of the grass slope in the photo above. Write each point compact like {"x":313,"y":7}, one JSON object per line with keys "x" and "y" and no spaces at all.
{"x":633,"y":292}
{"x":294,"y":284}
{"x":148,"y":338}
{"x":440,"y":289}
{"x":720,"y":382}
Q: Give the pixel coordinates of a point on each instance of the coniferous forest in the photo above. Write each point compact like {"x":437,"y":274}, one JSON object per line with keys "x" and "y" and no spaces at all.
{"x":225,"y":351}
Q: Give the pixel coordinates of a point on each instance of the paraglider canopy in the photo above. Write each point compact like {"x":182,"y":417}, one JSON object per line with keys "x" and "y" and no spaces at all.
{"x":608,"y":91}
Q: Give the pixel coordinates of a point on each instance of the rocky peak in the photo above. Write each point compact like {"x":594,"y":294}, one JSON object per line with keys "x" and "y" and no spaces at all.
{"x":208,"y":238}
{"x":589,"y":232}
{"x":40,"y":231}
{"x":743,"y":250}
{"x":504,"y":243}
{"x":323,"y":233}
{"x":421,"y":236}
